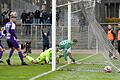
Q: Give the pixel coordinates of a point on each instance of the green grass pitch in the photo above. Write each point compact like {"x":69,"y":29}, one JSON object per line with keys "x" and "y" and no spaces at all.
{"x":18,"y":72}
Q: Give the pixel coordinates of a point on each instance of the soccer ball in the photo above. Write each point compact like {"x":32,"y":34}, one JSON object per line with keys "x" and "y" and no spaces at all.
{"x":108,"y":69}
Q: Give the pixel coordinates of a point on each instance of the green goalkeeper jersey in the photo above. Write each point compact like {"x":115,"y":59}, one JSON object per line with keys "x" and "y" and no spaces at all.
{"x":46,"y":55}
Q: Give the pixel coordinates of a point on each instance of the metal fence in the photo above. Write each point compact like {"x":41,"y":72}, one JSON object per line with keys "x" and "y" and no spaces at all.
{"x":86,"y":39}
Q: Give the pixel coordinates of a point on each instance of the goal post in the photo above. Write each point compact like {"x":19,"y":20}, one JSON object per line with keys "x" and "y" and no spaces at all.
{"x":69,"y":25}
{"x":53,"y":35}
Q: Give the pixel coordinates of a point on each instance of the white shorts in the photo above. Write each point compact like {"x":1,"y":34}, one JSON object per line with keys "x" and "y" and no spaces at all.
{"x":69,"y":50}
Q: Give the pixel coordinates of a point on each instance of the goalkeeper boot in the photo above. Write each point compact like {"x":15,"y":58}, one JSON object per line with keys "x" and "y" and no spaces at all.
{"x":24,"y":63}
{"x":8,"y":62}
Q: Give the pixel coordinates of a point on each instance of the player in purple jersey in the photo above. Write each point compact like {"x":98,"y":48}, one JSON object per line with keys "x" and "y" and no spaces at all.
{"x":1,"y":45}
{"x":12,"y":39}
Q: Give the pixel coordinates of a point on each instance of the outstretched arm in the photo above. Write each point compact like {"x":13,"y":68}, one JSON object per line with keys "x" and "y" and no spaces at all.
{"x":29,"y":58}
{"x":65,"y":54}
{"x":48,"y":33}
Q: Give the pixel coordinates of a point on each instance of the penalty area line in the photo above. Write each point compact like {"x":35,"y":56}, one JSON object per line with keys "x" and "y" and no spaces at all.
{"x":40,"y":75}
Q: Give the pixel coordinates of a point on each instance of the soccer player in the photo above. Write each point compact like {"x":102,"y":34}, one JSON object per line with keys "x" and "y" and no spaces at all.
{"x":1,"y":45}
{"x":44,"y":56}
{"x":66,"y":45}
{"x":12,"y":39}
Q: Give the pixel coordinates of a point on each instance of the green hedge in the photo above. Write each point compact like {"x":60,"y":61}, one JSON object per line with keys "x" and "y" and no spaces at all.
{"x":112,"y":20}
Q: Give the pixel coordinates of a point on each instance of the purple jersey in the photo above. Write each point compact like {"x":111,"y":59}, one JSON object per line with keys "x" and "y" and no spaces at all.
{"x":10,"y":35}
{"x":10,"y":31}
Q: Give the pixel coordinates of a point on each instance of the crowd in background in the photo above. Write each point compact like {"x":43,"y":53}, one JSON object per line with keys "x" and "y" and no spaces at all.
{"x":37,"y":17}
{"x":4,"y":17}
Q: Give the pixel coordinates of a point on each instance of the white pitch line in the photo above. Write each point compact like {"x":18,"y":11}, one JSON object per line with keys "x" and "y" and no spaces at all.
{"x":87,"y":57}
{"x":40,"y":75}
{"x":78,"y":60}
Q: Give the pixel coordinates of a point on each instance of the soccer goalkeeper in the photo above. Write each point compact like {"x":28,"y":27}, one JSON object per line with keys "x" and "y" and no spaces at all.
{"x":66,"y":45}
{"x":44,"y":56}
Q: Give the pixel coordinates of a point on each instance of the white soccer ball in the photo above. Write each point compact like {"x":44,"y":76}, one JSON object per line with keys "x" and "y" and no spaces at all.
{"x":108,"y":69}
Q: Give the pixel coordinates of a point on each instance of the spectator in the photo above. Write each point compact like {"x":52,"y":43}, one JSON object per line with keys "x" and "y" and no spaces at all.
{"x":50,"y":16}
{"x":28,"y":26}
{"x":37,"y":16}
{"x":5,"y":18}
{"x":45,"y":17}
{"x":48,"y":21}
{"x":118,"y":38}
{"x":45,"y":40}
{"x":81,"y":23}
{"x":31,"y":14}
{"x":57,"y":17}
{"x":111,"y":38}
{"x":24,"y":17}
{"x":41,"y":17}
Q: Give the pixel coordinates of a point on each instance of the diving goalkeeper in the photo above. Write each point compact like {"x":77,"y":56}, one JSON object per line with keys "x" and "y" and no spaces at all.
{"x":66,"y":45}
{"x":44,"y":56}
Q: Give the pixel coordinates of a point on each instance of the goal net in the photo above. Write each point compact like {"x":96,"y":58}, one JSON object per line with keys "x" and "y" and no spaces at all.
{"x":93,"y":51}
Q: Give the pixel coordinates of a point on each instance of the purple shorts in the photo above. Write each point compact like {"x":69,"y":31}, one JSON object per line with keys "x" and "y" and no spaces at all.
{"x":12,"y":43}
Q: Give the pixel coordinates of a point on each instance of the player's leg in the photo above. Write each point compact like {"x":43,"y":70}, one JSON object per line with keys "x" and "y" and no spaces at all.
{"x":70,"y":55}
{"x":65,"y":56}
{"x":16,"y":46}
{"x":10,"y":45}
{"x":1,"y":53}
{"x":44,"y":46}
